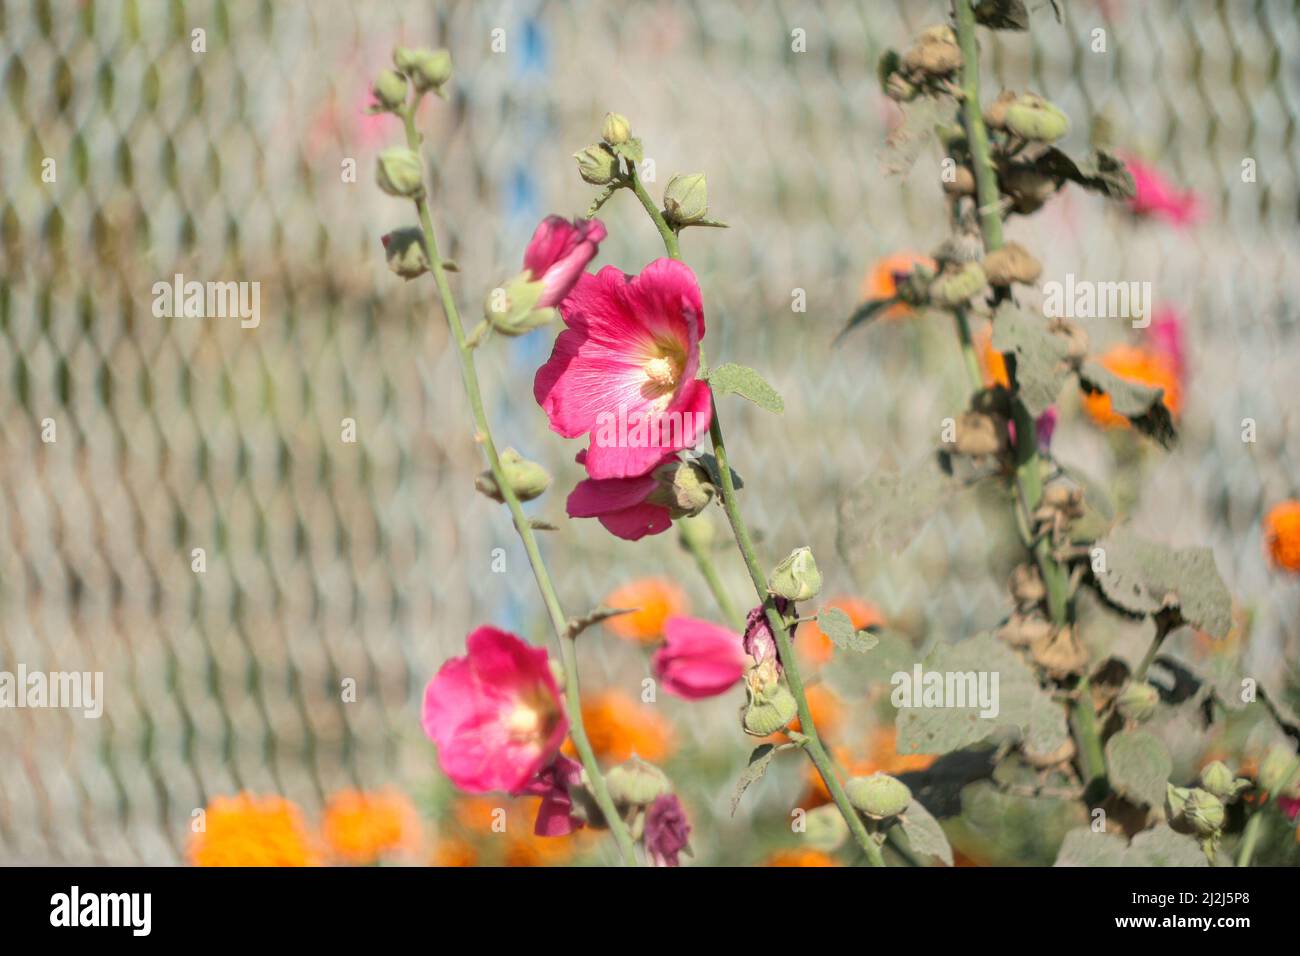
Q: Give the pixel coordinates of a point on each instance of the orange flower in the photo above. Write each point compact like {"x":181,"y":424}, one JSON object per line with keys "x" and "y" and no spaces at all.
{"x":360,"y":828}
{"x":879,"y":282}
{"x":800,"y":858}
{"x":882,"y":757}
{"x":654,"y":599}
{"x":816,"y":647}
{"x":618,"y":727}
{"x":1140,"y":365}
{"x":525,"y":848}
{"x":827,"y":711}
{"x":993,"y":362}
{"x":1282,"y":535}
{"x":248,"y":830}
{"x":453,"y":851}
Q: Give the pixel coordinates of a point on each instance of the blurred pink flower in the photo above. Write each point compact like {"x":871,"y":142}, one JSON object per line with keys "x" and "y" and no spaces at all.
{"x":1044,"y":428}
{"x":667,"y":831}
{"x":624,"y":369}
{"x":621,"y":504}
{"x":495,"y":714}
{"x":557,"y":254}
{"x":1166,"y":336}
{"x":1158,"y":198}
{"x":699,"y":659}
{"x":552,"y":783}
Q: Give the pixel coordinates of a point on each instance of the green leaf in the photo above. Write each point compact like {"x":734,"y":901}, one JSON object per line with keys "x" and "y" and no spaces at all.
{"x":1101,"y":172}
{"x":863,"y":314}
{"x":1139,"y":766}
{"x":1142,"y":577}
{"x":631,"y":150}
{"x":741,"y":380}
{"x":853,"y":675}
{"x":1141,"y":404}
{"x":1002,"y":14}
{"x":836,"y":625}
{"x":924,"y":835}
{"x":758,"y":761}
{"x":1159,"y":846}
{"x":1039,"y":356}
{"x":1086,"y":847}
{"x":1000,"y":828}
{"x":1021,"y":703}
{"x":888,"y":510}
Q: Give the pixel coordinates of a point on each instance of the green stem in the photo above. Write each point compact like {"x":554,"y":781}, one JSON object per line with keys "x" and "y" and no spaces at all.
{"x":483,"y":434}
{"x":1029,"y":475}
{"x":968,"y":350}
{"x":666,"y":233}
{"x":813,"y":745}
{"x":704,"y":562}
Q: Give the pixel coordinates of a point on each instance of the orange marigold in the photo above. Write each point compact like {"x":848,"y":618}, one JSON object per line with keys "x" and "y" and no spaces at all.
{"x":1140,"y":365}
{"x":1282,"y":535}
{"x":453,"y":851}
{"x":252,"y":830}
{"x":362,"y":827}
{"x":879,"y":282}
{"x":655,"y":601}
{"x":800,"y":858}
{"x":618,"y":727}
{"x":815,"y":647}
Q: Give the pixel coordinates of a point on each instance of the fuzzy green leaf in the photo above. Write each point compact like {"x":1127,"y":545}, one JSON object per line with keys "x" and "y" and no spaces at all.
{"x":924,"y":835}
{"x":863,"y":314}
{"x":1142,"y":577}
{"x":1002,"y":14}
{"x":758,"y":761}
{"x":1141,"y":404}
{"x":1159,"y":846}
{"x":1139,"y":766}
{"x":742,"y":380}
{"x":887,"y":510}
{"x":835,"y":624}
{"x":1039,"y":366}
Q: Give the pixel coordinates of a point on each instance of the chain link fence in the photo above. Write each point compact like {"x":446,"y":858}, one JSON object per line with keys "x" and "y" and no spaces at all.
{"x":129,"y":440}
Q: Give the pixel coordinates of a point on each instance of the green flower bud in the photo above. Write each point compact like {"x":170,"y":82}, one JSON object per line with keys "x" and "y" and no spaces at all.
{"x":428,"y":69}
{"x":686,"y":199}
{"x":1203,"y":812}
{"x":511,"y":310}
{"x":597,"y":165}
{"x":1138,"y":701}
{"x":957,"y":286}
{"x":616,"y":129}
{"x":825,"y":828}
{"x":399,"y":173}
{"x":636,"y":783}
{"x":771,"y":706}
{"x":1176,"y":800}
{"x":527,"y":479}
{"x":1217,"y":779}
{"x":1032,"y":117}
{"x":1273,"y":770}
{"x":405,"y":252}
{"x":390,"y":89}
{"x":796,"y":578}
{"x":879,"y":796}
{"x":684,"y":488}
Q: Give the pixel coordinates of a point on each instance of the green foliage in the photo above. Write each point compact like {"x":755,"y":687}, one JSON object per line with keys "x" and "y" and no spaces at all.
{"x":741,"y":380}
{"x":1142,"y":577}
{"x":1139,"y":766}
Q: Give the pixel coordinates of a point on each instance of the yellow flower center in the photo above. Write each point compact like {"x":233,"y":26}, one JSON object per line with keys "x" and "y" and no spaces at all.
{"x":524,"y":722}
{"x":662,"y":372}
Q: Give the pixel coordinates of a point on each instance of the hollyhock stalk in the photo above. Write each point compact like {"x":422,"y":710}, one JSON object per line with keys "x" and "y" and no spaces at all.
{"x":1029,"y":477}
{"x":811,"y":743}
{"x":469,"y":375}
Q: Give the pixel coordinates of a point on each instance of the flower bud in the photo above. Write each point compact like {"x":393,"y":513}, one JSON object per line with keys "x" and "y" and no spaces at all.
{"x":390,"y":89}
{"x":935,"y":53}
{"x":879,"y":796}
{"x":1011,"y":263}
{"x":825,"y":829}
{"x":962,"y":183}
{"x":1217,"y":779}
{"x":511,"y":309}
{"x":1138,"y":701}
{"x":1032,"y":117}
{"x":978,"y":434}
{"x":995,"y":114}
{"x":636,"y":783}
{"x":596,"y":165}
{"x":399,"y":172}
{"x":428,"y":69}
{"x":796,"y":578}
{"x":1027,"y":584}
{"x":405,"y":252}
{"x":957,"y":286}
{"x":686,"y":199}
{"x":1060,"y":654}
{"x":527,"y":479}
{"x":1021,"y":630}
{"x":616,"y":130}
{"x":770,"y":705}
{"x":1273,"y":771}
{"x":1176,"y":801}
{"x":684,"y":488}
{"x":1203,"y":812}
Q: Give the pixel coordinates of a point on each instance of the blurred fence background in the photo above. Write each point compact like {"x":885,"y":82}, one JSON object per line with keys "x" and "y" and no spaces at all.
{"x":371,"y":560}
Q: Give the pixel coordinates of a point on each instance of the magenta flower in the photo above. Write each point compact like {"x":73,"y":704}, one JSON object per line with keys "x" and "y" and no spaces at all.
{"x":1165,"y":335}
{"x":698,"y":659}
{"x":667,"y":831}
{"x":624,"y":369}
{"x":495,"y":713}
{"x":1157,"y":198}
{"x":552,"y":784}
{"x":621,"y":504}
{"x":1044,"y":428}
{"x":557,"y":254}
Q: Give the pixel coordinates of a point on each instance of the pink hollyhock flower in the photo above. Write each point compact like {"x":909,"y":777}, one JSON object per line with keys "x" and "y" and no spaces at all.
{"x":495,"y":713}
{"x":621,"y":504}
{"x":667,"y":831}
{"x":1044,"y":428}
{"x":552,"y":783}
{"x":1165,"y":335}
{"x":557,"y":254}
{"x":758,"y":640}
{"x":1290,"y":806}
{"x":1156,"y":197}
{"x":624,"y":369}
{"x":698,"y":659}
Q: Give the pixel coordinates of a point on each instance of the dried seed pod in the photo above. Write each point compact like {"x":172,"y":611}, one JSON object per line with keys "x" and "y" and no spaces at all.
{"x":962,"y":183}
{"x":1027,"y":584}
{"x":935,"y":53}
{"x":1021,"y":630}
{"x":979,"y":434}
{"x":1027,"y":187}
{"x":1012,"y":263}
{"x":1060,"y":654}
{"x":995,"y":114}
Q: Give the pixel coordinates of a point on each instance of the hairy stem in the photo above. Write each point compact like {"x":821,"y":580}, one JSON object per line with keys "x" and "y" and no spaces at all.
{"x":483,"y":435}
{"x":671,"y":243}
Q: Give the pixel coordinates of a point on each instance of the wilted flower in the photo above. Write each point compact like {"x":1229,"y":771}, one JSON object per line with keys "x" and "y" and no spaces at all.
{"x":758,"y":640}
{"x":495,"y":713}
{"x":667,"y":831}
{"x":698,"y":659}
{"x":882,"y":280}
{"x":557,"y":254}
{"x":553,"y":784}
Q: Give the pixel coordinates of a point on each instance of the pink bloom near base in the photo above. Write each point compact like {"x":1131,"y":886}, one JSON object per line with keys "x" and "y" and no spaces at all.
{"x":698,"y":659}
{"x":495,"y":713}
{"x":558,"y":253}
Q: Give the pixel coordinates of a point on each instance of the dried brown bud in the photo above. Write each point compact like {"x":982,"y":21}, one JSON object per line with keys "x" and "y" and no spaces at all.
{"x":1021,"y":630}
{"x":1012,"y":263}
{"x":1060,"y":654}
{"x":995,"y":114}
{"x":1027,"y":584}
{"x":979,"y":434}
